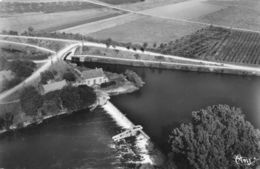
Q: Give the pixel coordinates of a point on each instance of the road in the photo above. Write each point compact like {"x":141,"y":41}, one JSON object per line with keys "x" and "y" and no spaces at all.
{"x":228,"y":66}
{"x":235,"y":67}
{"x":75,"y":44}
{"x":37,"y":73}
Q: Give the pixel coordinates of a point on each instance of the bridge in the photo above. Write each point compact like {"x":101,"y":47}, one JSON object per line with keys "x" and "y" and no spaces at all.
{"x":130,"y":132}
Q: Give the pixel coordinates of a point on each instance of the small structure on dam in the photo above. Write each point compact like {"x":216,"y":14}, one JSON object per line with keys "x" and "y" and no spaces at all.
{"x":128,"y":133}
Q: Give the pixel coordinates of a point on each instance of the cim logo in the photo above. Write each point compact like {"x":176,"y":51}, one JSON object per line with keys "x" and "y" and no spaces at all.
{"x":245,"y":161}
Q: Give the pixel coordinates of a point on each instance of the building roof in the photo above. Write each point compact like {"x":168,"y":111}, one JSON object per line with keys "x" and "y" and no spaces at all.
{"x":93,"y":73}
{"x":54,"y":86}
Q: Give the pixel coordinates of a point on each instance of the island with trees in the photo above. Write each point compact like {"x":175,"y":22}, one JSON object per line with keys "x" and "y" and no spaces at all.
{"x":213,"y":138}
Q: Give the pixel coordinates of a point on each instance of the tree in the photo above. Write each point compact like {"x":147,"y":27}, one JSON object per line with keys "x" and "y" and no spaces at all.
{"x":75,"y":98}
{"x":22,"y":68}
{"x":108,"y":42}
{"x":30,"y":30}
{"x":70,"y":98}
{"x":213,"y":137}
{"x":69,"y":76}
{"x":128,"y":45}
{"x":31,"y":100}
{"x":46,"y":76}
{"x":137,"y":56}
{"x":6,"y":120}
{"x":87,"y":96}
{"x":145,"y":44}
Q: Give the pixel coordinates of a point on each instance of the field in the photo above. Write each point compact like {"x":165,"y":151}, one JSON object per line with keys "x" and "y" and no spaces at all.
{"x":184,"y":10}
{"x":116,"y":2}
{"x":148,"y":4}
{"x":217,"y":44}
{"x":54,"y":21}
{"x":234,"y":17}
{"x":241,"y":14}
{"x":45,"y":7}
{"x":92,"y":27}
{"x":147,"y":29}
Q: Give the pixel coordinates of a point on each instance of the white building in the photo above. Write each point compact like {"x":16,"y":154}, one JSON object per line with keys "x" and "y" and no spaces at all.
{"x":93,"y":77}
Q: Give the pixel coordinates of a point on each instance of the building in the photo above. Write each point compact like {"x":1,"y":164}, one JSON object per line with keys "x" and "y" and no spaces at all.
{"x":52,"y":86}
{"x":93,"y":77}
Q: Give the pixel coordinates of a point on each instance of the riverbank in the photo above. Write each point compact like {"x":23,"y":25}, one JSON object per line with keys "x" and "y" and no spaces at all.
{"x":219,"y":68}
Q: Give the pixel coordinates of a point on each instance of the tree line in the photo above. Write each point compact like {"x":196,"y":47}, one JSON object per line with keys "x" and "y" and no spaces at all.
{"x":35,"y":105}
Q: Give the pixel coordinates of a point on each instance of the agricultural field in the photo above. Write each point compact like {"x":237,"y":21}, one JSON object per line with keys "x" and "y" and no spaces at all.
{"x":54,"y":21}
{"x":184,"y":10}
{"x":148,"y":4}
{"x":45,"y":7}
{"x":241,"y":14}
{"x":148,"y":29}
{"x":100,"y":25}
{"x":229,"y":13}
{"x":116,"y":2}
{"x":217,"y":44}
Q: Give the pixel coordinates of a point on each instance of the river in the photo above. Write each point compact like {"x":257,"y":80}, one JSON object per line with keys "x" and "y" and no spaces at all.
{"x":166,"y":100}
{"x":169,"y":96}
{"x":78,"y":141}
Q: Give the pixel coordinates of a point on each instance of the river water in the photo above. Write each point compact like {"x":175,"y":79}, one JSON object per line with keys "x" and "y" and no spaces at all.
{"x":81,"y":140}
{"x":169,"y":97}
{"x":166,"y":100}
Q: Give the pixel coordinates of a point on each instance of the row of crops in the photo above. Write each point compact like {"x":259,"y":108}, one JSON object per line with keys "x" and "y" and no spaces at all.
{"x":217,"y":44}
{"x":240,"y":47}
{"x":196,"y":45}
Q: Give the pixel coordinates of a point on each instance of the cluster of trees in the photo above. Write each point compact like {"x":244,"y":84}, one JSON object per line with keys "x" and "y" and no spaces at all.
{"x":47,"y":75}
{"x":50,"y":75}
{"x":71,"y":98}
{"x":21,"y":70}
{"x":212,"y":138}
{"x":133,"y":77}
{"x":69,"y":76}
{"x":31,"y":101}
{"x":75,"y":98}
{"x":6,"y":120}
{"x":14,"y":52}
